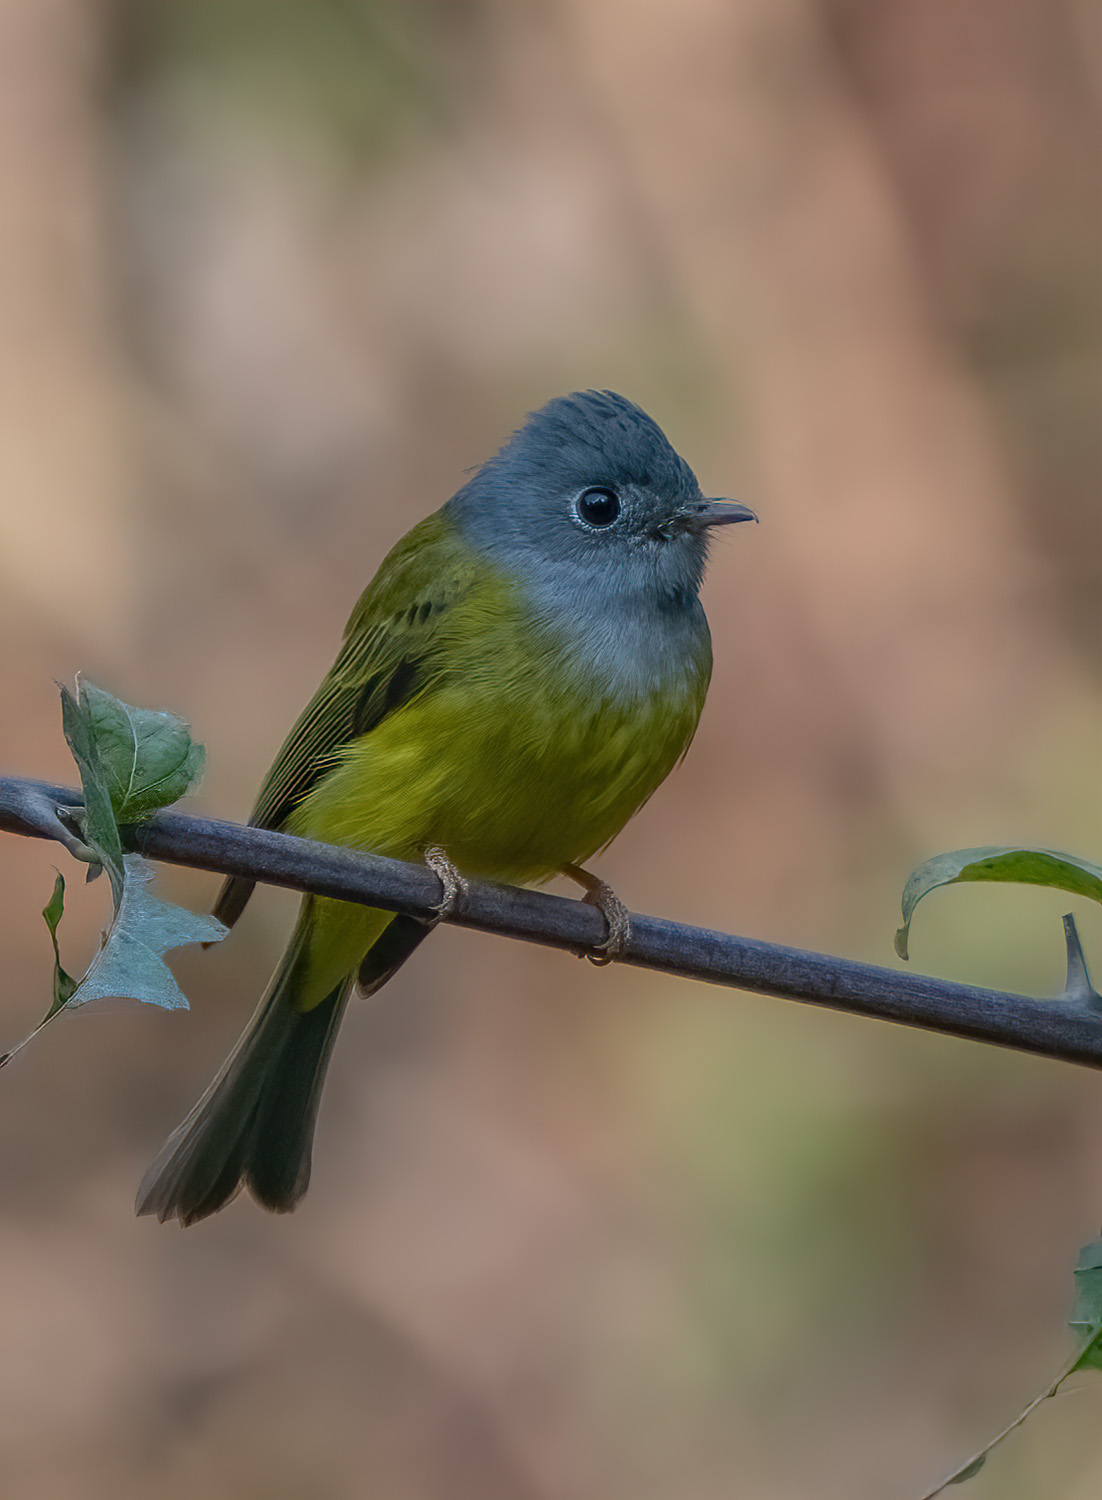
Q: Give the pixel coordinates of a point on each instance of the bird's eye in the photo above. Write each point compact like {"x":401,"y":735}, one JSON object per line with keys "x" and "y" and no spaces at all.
{"x":597,"y":507}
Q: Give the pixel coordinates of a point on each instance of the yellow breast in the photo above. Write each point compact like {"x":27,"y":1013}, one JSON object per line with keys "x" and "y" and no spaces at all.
{"x":514,"y":759}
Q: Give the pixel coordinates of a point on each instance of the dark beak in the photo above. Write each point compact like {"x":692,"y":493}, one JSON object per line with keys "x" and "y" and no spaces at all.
{"x":717,"y":513}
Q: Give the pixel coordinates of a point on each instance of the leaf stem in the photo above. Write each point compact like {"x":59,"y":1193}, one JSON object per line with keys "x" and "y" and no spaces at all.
{"x":6,"y":1057}
{"x":973,"y":1464}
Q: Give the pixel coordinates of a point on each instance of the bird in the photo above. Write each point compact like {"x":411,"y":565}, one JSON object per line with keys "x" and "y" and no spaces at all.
{"x":523,"y":671}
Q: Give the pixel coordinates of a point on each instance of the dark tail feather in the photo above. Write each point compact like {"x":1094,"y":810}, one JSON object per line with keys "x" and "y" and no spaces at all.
{"x":389,"y":952}
{"x":276,"y":1166}
{"x":233,"y":898}
{"x":277,"y":1170}
{"x":254,"y":1126}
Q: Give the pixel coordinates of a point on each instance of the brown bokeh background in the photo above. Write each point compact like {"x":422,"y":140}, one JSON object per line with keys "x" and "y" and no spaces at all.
{"x":273,"y":273}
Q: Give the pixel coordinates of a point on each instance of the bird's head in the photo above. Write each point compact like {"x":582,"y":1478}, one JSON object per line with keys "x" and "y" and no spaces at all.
{"x":589,"y":489}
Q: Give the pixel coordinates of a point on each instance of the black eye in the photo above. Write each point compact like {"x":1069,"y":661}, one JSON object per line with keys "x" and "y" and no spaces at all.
{"x":598,"y":507}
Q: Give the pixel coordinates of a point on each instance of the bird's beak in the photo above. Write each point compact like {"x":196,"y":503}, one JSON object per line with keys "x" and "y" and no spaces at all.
{"x":716,"y":513}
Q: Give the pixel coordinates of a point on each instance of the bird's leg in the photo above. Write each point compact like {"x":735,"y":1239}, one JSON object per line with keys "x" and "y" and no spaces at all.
{"x":615,"y":913}
{"x":453,"y":886}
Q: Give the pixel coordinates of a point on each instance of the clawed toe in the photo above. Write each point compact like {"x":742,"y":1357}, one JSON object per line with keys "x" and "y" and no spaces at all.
{"x":617,"y":917}
{"x":453,"y":886}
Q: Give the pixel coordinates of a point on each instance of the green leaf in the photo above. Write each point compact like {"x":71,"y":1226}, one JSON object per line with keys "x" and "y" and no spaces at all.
{"x":64,"y":984}
{"x":1065,"y":872}
{"x":1087,"y":1316}
{"x":130,"y":963}
{"x":132,"y":761}
{"x":1086,"y":1319}
{"x":147,"y":757}
{"x":970,"y":1470}
{"x":98,"y":825}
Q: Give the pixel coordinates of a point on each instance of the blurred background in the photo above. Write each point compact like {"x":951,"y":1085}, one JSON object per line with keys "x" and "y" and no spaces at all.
{"x":273,"y":274}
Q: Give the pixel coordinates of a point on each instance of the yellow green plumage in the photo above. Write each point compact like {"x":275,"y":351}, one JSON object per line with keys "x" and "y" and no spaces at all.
{"x":515,"y":682}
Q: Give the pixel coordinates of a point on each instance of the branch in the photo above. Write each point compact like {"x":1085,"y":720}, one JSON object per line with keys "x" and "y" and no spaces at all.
{"x":1066,"y":1028}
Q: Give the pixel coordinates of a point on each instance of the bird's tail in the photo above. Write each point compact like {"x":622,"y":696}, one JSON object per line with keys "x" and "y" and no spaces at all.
{"x":254,"y":1126}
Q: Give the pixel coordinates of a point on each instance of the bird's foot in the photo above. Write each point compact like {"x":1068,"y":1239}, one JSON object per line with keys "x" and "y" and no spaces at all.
{"x":452,"y":885}
{"x":616,"y":915}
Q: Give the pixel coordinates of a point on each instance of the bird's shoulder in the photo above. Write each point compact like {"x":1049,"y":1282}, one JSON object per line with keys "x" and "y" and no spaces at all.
{"x":426,"y":574}
{"x":397,"y":642}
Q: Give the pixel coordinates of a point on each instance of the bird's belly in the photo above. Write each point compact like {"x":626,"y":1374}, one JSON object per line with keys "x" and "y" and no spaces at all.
{"x":511,"y":786}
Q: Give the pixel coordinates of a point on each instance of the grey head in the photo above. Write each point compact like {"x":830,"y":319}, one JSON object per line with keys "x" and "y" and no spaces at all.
{"x":590,"y":493}
{"x":589,"y":508}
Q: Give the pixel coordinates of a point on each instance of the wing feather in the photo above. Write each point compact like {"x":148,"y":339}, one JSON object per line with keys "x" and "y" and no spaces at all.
{"x":385,"y":660}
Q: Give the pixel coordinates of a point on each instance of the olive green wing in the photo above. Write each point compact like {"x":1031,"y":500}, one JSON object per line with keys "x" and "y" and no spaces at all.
{"x":390,"y":651}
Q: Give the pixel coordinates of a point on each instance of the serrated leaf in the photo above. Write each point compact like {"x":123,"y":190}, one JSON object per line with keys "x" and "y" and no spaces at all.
{"x":130,"y":963}
{"x":1016,"y":864}
{"x":148,"y":758}
{"x":131,"y":762}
